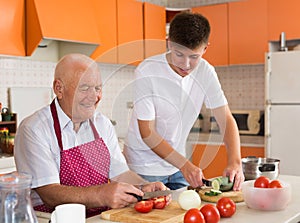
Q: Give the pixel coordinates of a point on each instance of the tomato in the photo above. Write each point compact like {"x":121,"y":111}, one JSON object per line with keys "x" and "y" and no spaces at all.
{"x":144,"y":206}
{"x":226,"y":207}
{"x":193,"y":215}
{"x":159,"y":202}
{"x":211,"y":213}
{"x":262,"y":182}
{"x":275,"y":184}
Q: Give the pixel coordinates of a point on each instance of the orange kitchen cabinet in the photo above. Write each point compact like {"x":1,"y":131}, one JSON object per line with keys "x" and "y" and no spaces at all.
{"x":248,"y":36}
{"x":217,"y":51}
{"x":283,"y":16}
{"x":12,"y":27}
{"x":62,"y":21}
{"x":130,"y":31}
{"x":154,"y":29}
{"x":212,"y":159}
{"x":252,"y":151}
{"x":106,"y":18}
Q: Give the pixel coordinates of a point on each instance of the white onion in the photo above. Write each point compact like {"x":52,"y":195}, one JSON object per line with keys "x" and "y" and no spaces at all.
{"x":189,"y":199}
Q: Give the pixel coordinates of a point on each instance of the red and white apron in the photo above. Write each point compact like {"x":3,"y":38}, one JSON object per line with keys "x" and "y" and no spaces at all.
{"x":84,"y":165}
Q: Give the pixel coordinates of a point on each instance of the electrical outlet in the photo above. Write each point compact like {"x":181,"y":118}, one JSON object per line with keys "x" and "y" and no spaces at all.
{"x":129,"y":104}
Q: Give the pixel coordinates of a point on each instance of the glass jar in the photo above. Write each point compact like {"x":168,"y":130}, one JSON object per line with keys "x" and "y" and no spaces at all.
{"x":15,"y":199}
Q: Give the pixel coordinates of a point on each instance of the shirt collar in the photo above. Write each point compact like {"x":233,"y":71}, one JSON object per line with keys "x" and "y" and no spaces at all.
{"x":64,"y":120}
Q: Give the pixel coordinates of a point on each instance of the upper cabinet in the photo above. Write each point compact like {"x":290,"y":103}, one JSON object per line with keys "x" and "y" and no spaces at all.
{"x":238,"y":32}
{"x":217,"y":51}
{"x":70,"y":27}
{"x":283,"y":16}
{"x":12,"y":27}
{"x":154,"y":29}
{"x":135,"y":30}
{"x":130,"y":31}
{"x":106,"y":18}
{"x":248,"y":35}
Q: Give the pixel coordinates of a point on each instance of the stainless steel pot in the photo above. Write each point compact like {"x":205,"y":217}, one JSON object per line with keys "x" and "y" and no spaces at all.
{"x":254,"y":167}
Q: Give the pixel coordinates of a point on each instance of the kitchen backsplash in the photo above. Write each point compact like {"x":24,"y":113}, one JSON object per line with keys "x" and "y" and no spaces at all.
{"x":243,"y":85}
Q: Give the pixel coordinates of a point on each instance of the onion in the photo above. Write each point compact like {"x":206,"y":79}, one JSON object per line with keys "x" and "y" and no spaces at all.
{"x":189,"y":199}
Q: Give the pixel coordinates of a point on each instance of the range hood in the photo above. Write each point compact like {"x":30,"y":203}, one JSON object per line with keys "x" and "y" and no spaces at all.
{"x":58,"y":27}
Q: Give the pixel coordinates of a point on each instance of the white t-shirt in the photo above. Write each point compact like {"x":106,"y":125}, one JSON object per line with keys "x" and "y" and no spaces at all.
{"x":174,"y":102}
{"x":37,"y":151}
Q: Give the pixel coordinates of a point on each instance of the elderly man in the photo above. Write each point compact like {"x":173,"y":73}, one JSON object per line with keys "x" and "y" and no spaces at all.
{"x":72,"y":151}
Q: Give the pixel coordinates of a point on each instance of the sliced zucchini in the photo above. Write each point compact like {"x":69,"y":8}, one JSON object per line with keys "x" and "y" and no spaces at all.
{"x":215,"y":184}
{"x":213,"y":192}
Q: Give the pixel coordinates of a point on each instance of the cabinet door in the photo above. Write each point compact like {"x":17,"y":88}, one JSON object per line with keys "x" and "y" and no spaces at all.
{"x":248,"y":37}
{"x":12,"y":27}
{"x":106,"y":16}
{"x":283,"y":16}
{"x":154,"y":29}
{"x":212,"y":159}
{"x":252,"y":151}
{"x":130,"y":31}
{"x":217,"y":52}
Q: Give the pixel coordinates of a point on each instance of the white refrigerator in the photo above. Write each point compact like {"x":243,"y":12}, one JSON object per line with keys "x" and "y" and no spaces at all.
{"x":282,"y":110}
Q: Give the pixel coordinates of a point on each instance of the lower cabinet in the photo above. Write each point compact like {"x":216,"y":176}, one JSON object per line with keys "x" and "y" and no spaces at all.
{"x":212,"y":159}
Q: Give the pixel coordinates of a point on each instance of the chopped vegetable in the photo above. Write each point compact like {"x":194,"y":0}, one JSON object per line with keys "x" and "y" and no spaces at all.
{"x":225,"y":184}
{"x":215,"y":184}
{"x":189,"y":199}
{"x":213,"y":192}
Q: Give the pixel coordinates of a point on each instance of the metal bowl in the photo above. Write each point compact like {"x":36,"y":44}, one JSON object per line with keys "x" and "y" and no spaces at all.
{"x":254,"y":167}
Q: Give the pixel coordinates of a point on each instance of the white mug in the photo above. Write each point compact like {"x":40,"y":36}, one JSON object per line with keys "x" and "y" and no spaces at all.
{"x":68,"y":213}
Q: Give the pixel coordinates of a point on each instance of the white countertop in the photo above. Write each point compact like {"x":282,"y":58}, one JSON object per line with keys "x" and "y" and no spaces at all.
{"x":214,"y":138}
{"x":246,"y":215}
{"x":7,"y":163}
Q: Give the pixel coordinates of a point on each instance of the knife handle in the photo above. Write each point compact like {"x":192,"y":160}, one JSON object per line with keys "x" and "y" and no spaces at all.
{"x":139,"y":198}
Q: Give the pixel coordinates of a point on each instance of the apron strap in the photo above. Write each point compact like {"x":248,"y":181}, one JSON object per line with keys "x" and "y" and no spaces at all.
{"x":96,"y":135}
{"x":56,"y":124}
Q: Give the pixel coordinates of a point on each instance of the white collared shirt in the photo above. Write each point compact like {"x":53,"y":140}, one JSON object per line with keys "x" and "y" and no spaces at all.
{"x":37,"y":152}
{"x":174,"y":102}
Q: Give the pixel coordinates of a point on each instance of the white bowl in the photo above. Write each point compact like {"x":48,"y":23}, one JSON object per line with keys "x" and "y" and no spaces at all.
{"x":266,"y":199}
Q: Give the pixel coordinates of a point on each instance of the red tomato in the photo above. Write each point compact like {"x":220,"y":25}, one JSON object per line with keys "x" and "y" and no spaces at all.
{"x":262,"y":182}
{"x":159,"y":202}
{"x":226,"y":207}
{"x":144,"y":206}
{"x":210,"y":213}
{"x":275,"y":184}
{"x":193,"y":215}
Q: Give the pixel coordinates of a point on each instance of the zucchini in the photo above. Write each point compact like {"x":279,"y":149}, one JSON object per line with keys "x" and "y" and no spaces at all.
{"x":212,"y":193}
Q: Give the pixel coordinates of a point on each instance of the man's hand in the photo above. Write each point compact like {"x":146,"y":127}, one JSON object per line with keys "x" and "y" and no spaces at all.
{"x":155,"y":186}
{"x":192,"y":174}
{"x":235,"y":173}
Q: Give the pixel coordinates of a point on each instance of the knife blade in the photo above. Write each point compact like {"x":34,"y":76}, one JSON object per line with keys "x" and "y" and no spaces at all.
{"x":148,"y":195}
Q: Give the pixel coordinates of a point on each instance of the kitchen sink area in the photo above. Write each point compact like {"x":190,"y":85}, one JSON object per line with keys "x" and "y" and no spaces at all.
{"x":7,"y":163}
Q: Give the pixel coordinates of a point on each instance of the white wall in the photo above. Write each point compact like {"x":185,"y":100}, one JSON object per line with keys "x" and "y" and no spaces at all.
{"x":243,"y":85}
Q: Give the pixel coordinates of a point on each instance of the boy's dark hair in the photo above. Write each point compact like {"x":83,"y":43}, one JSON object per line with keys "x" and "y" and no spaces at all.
{"x":189,"y":29}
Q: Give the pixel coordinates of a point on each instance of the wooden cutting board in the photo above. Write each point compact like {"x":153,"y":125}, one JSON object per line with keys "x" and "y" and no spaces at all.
{"x":170,"y":214}
{"x":236,"y":196}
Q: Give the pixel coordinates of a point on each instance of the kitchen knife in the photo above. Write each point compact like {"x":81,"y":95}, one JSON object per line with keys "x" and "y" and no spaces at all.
{"x":148,"y":195}
{"x":207,"y":182}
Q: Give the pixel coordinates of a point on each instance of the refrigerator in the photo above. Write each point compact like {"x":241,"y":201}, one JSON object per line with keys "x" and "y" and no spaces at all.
{"x":282,"y":110}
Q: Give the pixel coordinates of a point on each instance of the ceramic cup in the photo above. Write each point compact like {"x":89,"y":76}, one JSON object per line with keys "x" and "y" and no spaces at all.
{"x":68,"y":213}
